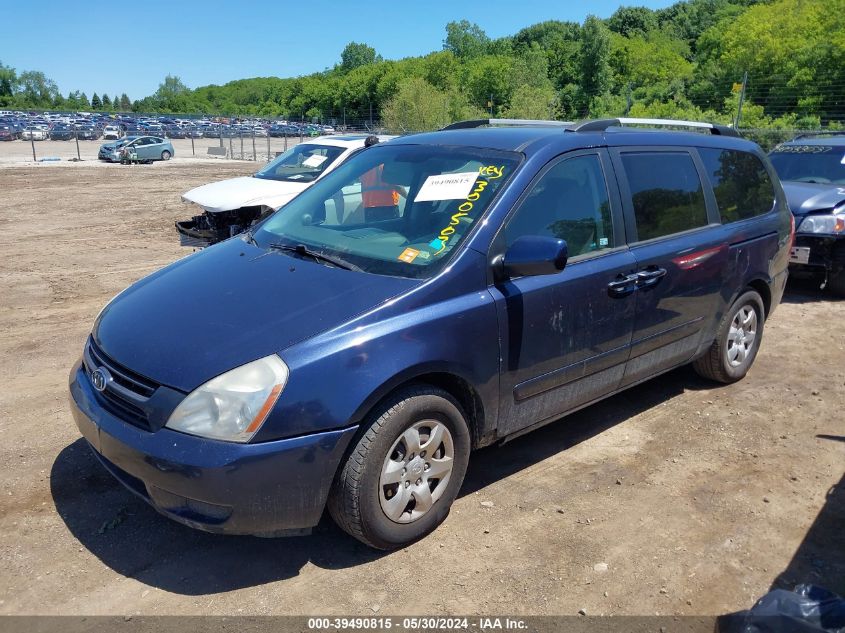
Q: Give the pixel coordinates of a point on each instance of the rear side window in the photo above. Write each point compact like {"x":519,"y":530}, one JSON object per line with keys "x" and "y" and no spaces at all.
{"x":740,"y":181}
{"x":666,"y":193}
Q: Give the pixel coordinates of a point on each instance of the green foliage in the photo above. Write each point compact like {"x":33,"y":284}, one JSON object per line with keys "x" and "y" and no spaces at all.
{"x":356,"y":55}
{"x":632,"y":21}
{"x":96,"y":104}
{"x":595,"y":57}
{"x":684,"y":61}
{"x":465,"y":39}
{"x":417,"y":105}
{"x":528,"y":102}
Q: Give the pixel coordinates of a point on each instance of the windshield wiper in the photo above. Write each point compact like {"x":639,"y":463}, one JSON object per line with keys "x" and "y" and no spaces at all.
{"x":301,"y":249}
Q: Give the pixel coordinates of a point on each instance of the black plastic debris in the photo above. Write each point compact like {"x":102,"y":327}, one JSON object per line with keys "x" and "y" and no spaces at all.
{"x":806,"y":609}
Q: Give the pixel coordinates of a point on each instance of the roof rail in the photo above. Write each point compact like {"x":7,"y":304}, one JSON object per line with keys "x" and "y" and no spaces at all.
{"x":600,"y":125}
{"x":464,"y":125}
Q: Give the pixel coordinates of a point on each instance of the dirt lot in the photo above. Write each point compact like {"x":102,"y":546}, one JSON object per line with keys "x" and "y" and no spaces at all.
{"x":676,"y":497}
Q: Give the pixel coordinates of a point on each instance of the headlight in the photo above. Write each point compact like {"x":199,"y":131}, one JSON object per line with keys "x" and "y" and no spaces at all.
{"x":833,"y":223}
{"x":234,"y":405}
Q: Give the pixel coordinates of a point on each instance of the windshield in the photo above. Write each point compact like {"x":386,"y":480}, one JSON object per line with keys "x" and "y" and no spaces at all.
{"x":394,"y":210}
{"x":302,"y":163}
{"x":810,"y":163}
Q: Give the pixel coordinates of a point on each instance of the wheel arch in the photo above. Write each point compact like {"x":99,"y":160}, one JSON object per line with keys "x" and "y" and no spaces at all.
{"x":762,"y":288}
{"x":450,"y":380}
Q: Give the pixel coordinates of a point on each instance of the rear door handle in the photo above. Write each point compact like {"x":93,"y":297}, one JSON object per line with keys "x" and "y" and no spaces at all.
{"x":623,"y":285}
{"x":649,"y":277}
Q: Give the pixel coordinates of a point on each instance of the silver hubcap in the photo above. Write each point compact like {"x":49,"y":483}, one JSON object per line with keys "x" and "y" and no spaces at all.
{"x":742,"y":335}
{"x":416,"y":471}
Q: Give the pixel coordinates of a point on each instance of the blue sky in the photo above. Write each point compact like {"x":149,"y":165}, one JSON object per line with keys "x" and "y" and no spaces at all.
{"x":106,"y":46}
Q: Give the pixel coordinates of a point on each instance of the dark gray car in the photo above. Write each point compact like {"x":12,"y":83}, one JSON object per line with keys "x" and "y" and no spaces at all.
{"x":812,"y":170}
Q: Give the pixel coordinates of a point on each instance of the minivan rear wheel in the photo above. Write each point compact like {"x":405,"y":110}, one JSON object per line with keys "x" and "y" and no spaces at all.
{"x":405,"y":470}
{"x":733,"y":351}
{"x":165,"y":155}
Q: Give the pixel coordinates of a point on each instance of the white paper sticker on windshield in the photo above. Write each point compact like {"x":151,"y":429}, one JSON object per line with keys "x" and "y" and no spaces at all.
{"x":447,"y":187}
{"x":315,"y":160}
{"x":843,"y":160}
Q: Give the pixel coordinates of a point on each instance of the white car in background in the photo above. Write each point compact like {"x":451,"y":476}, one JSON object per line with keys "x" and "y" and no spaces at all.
{"x":34,"y":132}
{"x":232,"y":206}
{"x":112,"y":132}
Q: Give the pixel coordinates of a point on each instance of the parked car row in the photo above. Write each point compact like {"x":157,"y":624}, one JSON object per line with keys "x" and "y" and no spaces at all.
{"x":92,"y":126}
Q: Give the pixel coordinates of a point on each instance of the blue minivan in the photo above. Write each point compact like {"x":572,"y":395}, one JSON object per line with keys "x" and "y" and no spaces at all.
{"x":434,"y":294}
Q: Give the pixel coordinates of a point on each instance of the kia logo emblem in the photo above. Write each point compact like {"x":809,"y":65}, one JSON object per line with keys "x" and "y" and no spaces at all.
{"x":100,"y":378}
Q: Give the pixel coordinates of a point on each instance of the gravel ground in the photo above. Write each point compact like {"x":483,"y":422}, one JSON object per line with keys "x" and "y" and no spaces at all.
{"x":675,"y":497}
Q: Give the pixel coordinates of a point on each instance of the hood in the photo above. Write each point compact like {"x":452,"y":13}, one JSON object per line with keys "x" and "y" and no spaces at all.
{"x":806,"y":197}
{"x":114,"y":144}
{"x":228,"y":305}
{"x":246,"y":191}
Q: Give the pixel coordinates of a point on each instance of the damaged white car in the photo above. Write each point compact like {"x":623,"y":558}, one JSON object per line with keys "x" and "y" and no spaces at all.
{"x":231,"y":206}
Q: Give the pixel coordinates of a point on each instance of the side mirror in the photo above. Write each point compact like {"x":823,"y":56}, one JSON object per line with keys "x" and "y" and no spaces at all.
{"x":535,"y":255}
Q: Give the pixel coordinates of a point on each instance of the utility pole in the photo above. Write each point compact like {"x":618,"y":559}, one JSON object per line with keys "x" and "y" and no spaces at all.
{"x":738,"y":118}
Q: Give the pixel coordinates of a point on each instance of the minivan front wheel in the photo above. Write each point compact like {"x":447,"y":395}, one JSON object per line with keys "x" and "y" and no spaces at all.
{"x":733,"y":352}
{"x":404,"y":472}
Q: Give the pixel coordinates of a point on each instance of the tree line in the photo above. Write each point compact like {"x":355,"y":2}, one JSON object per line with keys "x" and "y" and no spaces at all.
{"x":685,"y":61}
{"x":31,"y":89}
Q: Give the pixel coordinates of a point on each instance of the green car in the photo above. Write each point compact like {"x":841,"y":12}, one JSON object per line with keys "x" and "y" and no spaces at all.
{"x":143,"y":147}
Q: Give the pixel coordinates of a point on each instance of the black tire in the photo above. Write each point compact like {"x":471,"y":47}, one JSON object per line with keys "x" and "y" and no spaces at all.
{"x":355,"y":498}
{"x":165,"y":155}
{"x":715,"y":363}
{"x":836,"y":283}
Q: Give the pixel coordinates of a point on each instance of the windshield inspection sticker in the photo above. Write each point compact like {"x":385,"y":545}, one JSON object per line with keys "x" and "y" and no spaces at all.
{"x":315,"y":160}
{"x":447,"y":187}
{"x":408,"y":255}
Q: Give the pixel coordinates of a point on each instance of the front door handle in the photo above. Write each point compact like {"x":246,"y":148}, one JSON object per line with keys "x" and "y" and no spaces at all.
{"x":649,"y":277}
{"x":622,"y":286}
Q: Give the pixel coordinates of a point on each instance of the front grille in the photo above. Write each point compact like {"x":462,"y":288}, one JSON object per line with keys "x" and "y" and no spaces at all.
{"x":127,"y":393}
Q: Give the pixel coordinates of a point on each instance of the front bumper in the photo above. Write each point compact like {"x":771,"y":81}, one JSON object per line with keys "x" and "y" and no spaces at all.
{"x":265,"y":489}
{"x":190,"y":234}
{"x":817,"y":254}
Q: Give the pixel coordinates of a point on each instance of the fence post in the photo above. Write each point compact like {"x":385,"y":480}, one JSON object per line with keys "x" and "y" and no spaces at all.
{"x":193,"y":153}
{"x":231,"y":149}
{"x":241,"y":136}
{"x":76,"y":136}
{"x":268,"y":145}
{"x":254,"y":157}
{"x":32,"y":141}
{"x":741,"y":100}
{"x":286,"y":140}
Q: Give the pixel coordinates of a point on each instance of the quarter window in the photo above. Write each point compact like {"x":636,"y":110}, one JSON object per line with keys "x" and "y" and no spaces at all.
{"x":666,"y":193}
{"x":569,"y":202}
{"x":740,"y":181}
